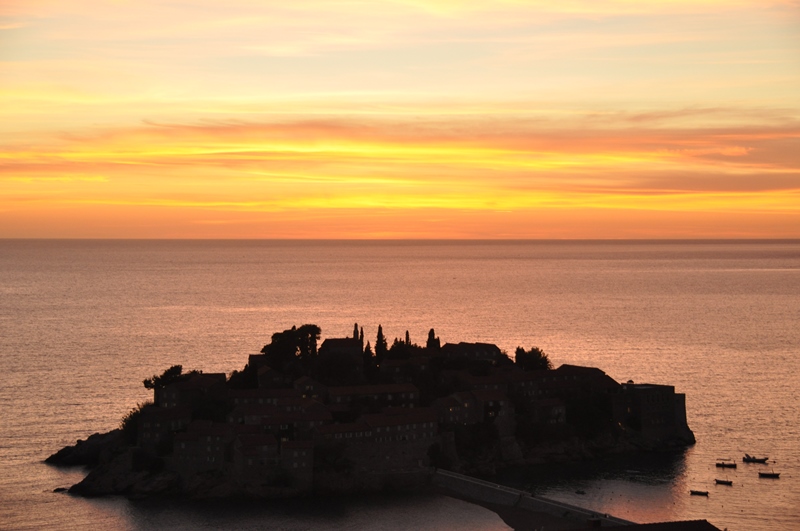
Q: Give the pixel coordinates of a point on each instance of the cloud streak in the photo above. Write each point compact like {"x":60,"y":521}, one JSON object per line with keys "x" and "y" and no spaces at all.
{"x":450,"y":118}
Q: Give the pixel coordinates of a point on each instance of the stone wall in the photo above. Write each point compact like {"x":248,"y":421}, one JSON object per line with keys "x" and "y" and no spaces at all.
{"x":477,"y":490}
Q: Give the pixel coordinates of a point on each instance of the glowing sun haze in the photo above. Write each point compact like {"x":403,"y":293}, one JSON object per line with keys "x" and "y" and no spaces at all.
{"x":399,"y":119}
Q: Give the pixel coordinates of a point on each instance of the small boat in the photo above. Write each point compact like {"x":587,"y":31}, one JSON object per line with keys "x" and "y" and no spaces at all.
{"x":723,"y":482}
{"x":698,"y":492}
{"x":726,"y":464}
{"x":751,"y":459}
{"x":773,"y":475}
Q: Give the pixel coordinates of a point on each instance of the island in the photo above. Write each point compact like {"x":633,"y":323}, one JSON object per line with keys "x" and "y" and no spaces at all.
{"x":345,"y":418}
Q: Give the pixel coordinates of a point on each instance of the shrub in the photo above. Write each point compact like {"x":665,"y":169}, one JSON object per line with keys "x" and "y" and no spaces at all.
{"x":130,"y":422}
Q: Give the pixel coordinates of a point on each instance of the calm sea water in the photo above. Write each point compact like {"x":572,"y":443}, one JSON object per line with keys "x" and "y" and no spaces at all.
{"x":83,"y":322}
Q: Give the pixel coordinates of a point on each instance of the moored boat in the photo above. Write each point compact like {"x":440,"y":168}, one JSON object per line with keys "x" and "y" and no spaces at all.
{"x":773,"y":475}
{"x":752,"y":459}
{"x":726,"y":464}
{"x":698,"y":492}
{"x":723,"y":482}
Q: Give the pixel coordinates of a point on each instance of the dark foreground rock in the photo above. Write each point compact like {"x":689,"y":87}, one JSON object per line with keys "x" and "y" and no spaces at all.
{"x":119,"y":469}
{"x":120,"y":475}
{"x":97,"y":448}
{"x":124,"y":474}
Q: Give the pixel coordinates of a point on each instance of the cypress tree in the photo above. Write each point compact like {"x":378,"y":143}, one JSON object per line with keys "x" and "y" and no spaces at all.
{"x":380,"y":345}
{"x":433,"y":341}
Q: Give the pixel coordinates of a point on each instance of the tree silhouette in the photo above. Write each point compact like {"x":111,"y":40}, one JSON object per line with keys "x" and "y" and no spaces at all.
{"x":381,"y":348}
{"x":433,"y":341}
{"x":130,"y":422}
{"x":369,"y":362}
{"x":173,"y":374}
{"x":532,"y":360}
{"x":293,"y":350}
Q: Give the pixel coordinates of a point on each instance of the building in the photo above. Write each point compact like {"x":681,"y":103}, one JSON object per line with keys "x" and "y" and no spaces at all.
{"x":191,"y":389}
{"x":472,"y":351}
{"x":375,"y":397}
{"x":656,"y":411}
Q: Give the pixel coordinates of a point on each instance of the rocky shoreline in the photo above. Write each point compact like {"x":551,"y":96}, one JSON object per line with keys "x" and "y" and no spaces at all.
{"x":116,"y":468}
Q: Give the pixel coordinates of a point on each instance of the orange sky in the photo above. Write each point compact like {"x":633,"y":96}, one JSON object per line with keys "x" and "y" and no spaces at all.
{"x":400,"y":119}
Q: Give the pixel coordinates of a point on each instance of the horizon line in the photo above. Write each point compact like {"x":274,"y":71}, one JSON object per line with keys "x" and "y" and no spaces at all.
{"x":420,"y":240}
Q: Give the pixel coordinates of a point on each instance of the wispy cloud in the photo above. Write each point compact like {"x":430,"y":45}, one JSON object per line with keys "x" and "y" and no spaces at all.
{"x":399,"y":116}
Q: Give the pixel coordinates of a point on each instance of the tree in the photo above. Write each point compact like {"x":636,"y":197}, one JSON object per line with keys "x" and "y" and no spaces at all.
{"x":355,"y":331}
{"x":170,"y":375}
{"x":532,"y":360}
{"x":369,"y":362}
{"x":399,"y":350}
{"x":433,"y":341}
{"x":402,"y":350}
{"x":308,"y":335}
{"x":408,"y":338}
{"x":130,"y":422}
{"x":381,"y":348}
{"x":291,"y":348}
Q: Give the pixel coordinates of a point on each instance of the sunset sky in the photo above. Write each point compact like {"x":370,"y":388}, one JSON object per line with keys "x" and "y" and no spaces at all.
{"x":399,"y":119}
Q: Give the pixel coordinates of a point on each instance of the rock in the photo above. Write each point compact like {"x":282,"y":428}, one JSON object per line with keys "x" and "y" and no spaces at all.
{"x":98,"y":448}
{"x":205,"y":484}
{"x":114,"y":477}
{"x":161,"y":483}
{"x":60,"y":489}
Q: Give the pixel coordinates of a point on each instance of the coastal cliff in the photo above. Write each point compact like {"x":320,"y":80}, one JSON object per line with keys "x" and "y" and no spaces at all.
{"x":344,"y":419}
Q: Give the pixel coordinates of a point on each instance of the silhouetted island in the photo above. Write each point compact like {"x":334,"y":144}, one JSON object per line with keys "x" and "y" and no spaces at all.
{"x":348,"y":418}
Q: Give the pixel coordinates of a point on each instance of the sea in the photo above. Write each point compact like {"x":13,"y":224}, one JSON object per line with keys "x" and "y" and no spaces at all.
{"x":83,"y":322}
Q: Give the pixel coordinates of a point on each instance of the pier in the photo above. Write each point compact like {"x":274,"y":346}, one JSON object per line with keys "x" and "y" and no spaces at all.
{"x":485,"y":492}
